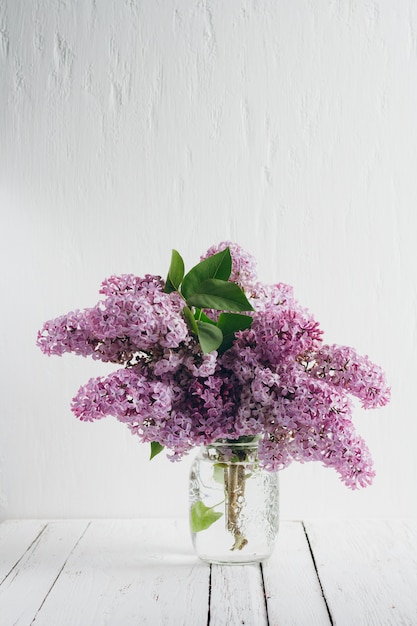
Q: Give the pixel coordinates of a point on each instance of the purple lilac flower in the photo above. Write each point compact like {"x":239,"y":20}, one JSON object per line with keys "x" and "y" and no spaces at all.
{"x":278,"y":380}
{"x":243,"y":264}
{"x":341,"y":366}
{"x":135,"y":316}
{"x":311,"y":421}
{"x":67,"y":333}
{"x":179,"y":410}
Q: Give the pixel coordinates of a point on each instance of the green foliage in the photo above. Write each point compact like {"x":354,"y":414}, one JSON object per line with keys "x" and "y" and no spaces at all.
{"x":202,"y":516}
{"x":209,"y":336}
{"x":229,"y":324}
{"x":220,"y":295}
{"x":216,"y":266}
{"x":200,"y":315}
{"x":207,"y":286}
{"x":218,"y":472}
{"x":175,"y":273}
{"x":189,"y":316}
{"x":156,"y":448}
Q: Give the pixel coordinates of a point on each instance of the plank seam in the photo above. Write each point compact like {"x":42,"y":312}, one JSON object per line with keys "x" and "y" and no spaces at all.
{"x":264,"y":592}
{"x":59,"y":573}
{"x":30,"y":546}
{"x":209,"y":598}
{"x":317,"y":574}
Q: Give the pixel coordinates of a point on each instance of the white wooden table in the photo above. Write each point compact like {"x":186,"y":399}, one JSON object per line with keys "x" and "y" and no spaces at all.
{"x":125,"y":572}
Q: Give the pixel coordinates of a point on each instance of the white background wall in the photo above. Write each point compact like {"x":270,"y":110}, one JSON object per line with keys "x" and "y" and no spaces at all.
{"x":131,"y":127}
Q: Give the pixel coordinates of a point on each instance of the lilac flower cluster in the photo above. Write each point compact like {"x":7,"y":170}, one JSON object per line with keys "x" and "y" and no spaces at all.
{"x":135,"y":316}
{"x":278,"y":380}
{"x":243,"y":264}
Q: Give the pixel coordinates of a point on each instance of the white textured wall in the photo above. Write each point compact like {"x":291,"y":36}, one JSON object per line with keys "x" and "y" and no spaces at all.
{"x":131,"y":127}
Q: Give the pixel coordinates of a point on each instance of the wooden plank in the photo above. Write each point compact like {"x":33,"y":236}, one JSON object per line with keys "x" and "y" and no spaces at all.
{"x":16,"y":538}
{"x":368,"y":570}
{"x":237,"y":596}
{"x":25,"y":587}
{"x":144,"y":572}
{"x":130,"y":572}
{"x":293,"y":593}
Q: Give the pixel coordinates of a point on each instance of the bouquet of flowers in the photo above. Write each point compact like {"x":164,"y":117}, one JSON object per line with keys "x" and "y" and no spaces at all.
{"x":215,"y":354}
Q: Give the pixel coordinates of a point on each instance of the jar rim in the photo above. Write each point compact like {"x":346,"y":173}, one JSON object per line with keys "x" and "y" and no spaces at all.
{"x":235,"y":443}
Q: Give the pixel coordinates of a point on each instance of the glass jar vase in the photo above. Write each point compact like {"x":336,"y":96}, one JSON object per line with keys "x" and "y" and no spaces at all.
{"x":234,"y":512}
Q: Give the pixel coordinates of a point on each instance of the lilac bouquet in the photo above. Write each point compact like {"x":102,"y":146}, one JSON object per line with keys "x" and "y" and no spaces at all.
{"x":215,"y":354}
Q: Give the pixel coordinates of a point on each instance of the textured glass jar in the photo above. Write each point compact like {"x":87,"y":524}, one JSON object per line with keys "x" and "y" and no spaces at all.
{"x":234,"y":513}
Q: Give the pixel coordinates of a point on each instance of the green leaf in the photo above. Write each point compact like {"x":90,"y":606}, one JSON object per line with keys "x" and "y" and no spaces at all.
{"x":218,"y":266}
{"x":156,"y":448}
{"x":202,"y":317}
{"x":219,"y":295}
{"x":169,"y":287}
{"x":209,"y":336}
{"x":175,"y":273}
{"x":188,"y":314}
{"x":229,"y":324}
{"x":218,"y":472}
{"x":202,"y":517}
